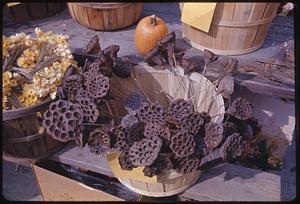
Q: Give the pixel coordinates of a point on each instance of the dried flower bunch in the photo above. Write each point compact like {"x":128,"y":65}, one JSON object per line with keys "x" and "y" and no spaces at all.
{"x":33,"y":67}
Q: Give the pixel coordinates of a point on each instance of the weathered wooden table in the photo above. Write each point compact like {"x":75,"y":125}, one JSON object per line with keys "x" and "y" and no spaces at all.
{"x":263,"y":71}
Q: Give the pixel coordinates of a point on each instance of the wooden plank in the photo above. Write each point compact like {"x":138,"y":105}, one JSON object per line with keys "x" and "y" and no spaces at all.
{"x":53,"y":8}
{"x":226,"y":182}
{"x":229,"y":182}
{"x":83,"y":158}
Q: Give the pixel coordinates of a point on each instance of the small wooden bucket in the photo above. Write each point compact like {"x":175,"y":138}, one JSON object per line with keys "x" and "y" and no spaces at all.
{"x":105,"y":16}
{"x":32,"y":11}
{"x":154,"y":83}
{"x":237,"y":28}
{"x":22,"y":142}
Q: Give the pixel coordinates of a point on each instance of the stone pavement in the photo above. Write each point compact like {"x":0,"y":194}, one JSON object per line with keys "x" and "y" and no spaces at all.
{"x":19,"y":185}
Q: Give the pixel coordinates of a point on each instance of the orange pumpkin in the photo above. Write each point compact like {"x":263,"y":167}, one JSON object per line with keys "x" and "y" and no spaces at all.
{"x":148,"y":31}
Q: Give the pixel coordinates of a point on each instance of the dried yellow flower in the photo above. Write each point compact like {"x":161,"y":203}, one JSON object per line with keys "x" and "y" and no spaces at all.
{"x":46,"y":80}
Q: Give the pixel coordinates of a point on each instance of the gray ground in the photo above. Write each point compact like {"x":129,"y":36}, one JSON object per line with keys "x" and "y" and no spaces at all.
{"x":19,"y":185}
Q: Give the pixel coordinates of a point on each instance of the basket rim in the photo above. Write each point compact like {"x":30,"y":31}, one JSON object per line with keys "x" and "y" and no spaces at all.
{"x":21,"y":112}
{"x":107,"y":5}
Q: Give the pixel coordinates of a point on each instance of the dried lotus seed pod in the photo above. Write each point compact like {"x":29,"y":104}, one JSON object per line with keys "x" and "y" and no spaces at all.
{"x":62,"y":120}
{"x":93,"y":46}
{"x":97,"y":86}
{"x":152,"y":113}
{"x":145,"y":151}
{"x":182,"y":144}
{"x":156,"y":130}
{"x":160,"y":166}
{"x":136,"y":132}
{"x":241,"y":109}
{"x":125,"y":161}
{"x":195,"y":122}
{"x":123,"y":68}
{"x":188,"y":165}
{"x":229,"y":128}
{"x":205,"y":117}
{"x":129,"y":121}
{"x":134,"y":101}
{"x":88,"y":108}
{"x":230,"y":149}
{"x":122,"y":137}
{"x":180,"y":109}
{"x":99,"y":141}
{"x":71,"y":85}
{"x":213,"y":135}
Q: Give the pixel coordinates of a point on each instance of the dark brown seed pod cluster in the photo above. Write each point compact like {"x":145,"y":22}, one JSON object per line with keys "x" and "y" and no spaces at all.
{"x":195,"y":122}
{"x":145,"y":151}
{"x":213,"y":135}
{"x":62,"y":120}
{"x":97,"y":85}
{"x":188,"y":164}
{"x":129,"y":121}
{"x":99,"y":141}
{"x":230,"y":149}
{"x":122,"y":137}
{"x":179,"y":109}
{"x":241,"y":109}
{"x":88,"y":108}
{"x":229,"y":128}
{"x":182,"y":144}
{"x":80,"y":95}
{"x":125,"y":161}
{"x":160,"y":166}
{"x":157,"y":130}
{"x":123,"y":68}
{"x":134,"y":101}
{"x":152,"y":113}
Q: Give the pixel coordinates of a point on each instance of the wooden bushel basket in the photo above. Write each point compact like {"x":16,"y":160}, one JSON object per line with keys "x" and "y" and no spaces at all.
{"x":105,"y":16}
{"x":152,"y":82}
{"x":236,"y":28}
{"x":32,"y":11}
{"x":22,"y":142}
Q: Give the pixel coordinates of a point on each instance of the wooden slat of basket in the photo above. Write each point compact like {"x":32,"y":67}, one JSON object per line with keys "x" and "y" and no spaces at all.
{"x":53,"y":8}
{"x":14,"y":129}
{"x":20,"y":12}
{"x":32,"y":127}
{"x":37,"y":10}
{"x":250,"y":34}
{"x":155,"y":187}
{"x":22,"y":112}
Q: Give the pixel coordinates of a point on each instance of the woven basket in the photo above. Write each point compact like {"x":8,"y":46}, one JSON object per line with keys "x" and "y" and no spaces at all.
{"x":22,"y":142}
{"x":105,"y":16}
{"x":237,"y":28}
{"x":151,"y":81}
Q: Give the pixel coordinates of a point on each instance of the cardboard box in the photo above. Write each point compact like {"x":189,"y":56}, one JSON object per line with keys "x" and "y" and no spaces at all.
{"x":56,"y":184}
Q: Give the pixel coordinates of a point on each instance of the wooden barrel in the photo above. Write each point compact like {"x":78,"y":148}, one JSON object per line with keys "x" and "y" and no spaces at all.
{"x":237,"y":28}
{"x":23,"y":141}
{"x":31,"y":11}
{"x":105,"y":16}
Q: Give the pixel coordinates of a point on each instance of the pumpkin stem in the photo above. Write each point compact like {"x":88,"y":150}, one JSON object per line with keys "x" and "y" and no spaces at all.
{"x":153,"y":20}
